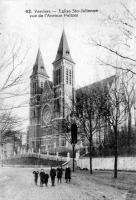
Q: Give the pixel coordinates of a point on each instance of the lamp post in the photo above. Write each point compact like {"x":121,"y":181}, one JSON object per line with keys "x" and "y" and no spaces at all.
{"x":1,"y":154}
{"x":73,"y":146}
{"x":73,"y":141}
{"x":1,"y":143}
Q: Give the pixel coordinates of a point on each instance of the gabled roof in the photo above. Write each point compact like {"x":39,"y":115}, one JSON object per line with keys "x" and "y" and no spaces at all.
{"x":39,"y":67}
{"x":47,"y":86}
{"x":63,"y":50}
{"x":97,"y":85}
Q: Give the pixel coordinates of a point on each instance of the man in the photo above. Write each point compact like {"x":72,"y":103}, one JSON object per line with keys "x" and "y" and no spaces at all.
{"x":42,"y":175}
{"x":35,"y":176}
{"x":59,"y":174}
{"x":68,"y":174}
{"x":52,"y":175}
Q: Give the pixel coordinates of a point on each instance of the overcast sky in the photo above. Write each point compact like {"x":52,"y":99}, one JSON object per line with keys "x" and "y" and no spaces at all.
{"x":46,"y":32}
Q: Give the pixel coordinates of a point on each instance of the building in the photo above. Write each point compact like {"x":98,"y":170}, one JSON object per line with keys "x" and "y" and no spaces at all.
{"x":51,"y":102}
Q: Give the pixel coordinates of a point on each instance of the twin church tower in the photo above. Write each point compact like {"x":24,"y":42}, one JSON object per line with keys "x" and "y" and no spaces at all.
{"x":50,"y":102}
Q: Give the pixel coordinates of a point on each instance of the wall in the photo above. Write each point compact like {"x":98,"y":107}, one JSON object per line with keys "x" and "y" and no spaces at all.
{"x":8,"y":149}
{"x":31,"y":161}
{"x":124,"y":163}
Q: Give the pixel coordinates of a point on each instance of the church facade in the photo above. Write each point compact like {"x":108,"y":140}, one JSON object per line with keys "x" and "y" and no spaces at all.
{"x":50,"y":101}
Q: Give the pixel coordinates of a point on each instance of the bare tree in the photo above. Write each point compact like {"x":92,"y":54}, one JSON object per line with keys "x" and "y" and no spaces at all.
{"x":8,"y":121}
{"x":89,"y":110}
{"x":14,"y":136}
{"x":120,"y":51}
{"x":11,"y":60}
{"x":120,"y":43}
{"x":128,"y":81}
{"x":12,"y":77}
{"x":116,"y":112}
{"x":13,"y":73}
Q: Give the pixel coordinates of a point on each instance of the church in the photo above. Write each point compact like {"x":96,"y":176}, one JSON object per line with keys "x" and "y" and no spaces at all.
{"x":49,"y":101}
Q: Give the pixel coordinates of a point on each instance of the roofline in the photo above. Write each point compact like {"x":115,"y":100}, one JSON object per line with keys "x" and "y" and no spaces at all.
{"x":86,"y":86}
{"x":63,"y":58}
{"x":38,"y":74}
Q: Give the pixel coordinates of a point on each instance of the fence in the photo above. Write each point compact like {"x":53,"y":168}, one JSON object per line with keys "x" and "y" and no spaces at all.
{"x":124,"y":163}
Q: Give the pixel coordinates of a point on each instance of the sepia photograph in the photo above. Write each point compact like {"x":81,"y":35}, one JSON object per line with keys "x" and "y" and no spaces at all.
{"x":68,"y":100}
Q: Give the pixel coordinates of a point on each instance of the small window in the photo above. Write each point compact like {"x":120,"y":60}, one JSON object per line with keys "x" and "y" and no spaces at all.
{"x":41,"y":84}
{"x":67,"y":52}
{"x":42,"y":69}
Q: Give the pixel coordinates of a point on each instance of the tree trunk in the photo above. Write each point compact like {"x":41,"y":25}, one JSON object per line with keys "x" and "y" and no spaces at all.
{"x":90,"y":143}
{"x":116,"y":152}
{"x":129,"y":133}
{"x":73,"y":145}
{"x":13,"y":144}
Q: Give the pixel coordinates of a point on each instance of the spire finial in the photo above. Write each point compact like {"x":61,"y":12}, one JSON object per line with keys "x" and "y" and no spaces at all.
{"x":63,"y":49}
{"x":39,"y":65}
{"x":63,"y":25}
{"x":38,"y":41}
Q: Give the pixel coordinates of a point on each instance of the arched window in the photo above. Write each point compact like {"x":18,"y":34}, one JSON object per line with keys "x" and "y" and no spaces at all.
{"x":55,"y":78}
{"x":58,"y":76}
{"x":66,"y":76}
{"x":70,"y":77}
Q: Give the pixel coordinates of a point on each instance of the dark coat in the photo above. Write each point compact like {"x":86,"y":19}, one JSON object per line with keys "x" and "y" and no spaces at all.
{"x":68,"y":173}
{"x":59,"y":172}
{"x":52,"y":173}
{"x":46,"y":177}
{"x":42,"y":175}
{"x":36,"y":174}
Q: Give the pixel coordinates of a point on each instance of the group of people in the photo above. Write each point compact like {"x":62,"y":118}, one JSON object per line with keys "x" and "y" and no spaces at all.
{"x":44,"y":177}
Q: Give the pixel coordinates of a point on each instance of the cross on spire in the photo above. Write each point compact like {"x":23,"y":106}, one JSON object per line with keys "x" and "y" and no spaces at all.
{"x":63,"y":50}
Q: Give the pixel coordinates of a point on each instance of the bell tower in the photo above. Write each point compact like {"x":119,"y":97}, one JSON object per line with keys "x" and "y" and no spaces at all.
{"x":63,"y":79}
{"x":37,"y":80}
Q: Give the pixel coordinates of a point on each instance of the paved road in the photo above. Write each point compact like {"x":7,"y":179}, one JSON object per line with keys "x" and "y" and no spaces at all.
{"x":18,"y":184}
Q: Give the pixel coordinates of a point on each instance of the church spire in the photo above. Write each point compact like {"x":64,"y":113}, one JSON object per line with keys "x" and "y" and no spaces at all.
{"x":39,"y":65}
{"x":63,"y":50}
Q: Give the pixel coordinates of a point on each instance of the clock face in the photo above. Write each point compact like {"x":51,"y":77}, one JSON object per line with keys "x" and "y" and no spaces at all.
{"x":46,"y":114}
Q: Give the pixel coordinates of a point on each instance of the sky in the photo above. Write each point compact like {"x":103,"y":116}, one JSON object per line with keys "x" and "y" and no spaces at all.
{"x":45,"y":32}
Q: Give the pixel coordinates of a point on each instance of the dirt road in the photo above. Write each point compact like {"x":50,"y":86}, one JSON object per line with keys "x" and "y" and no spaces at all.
{"x":18,"y":184}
